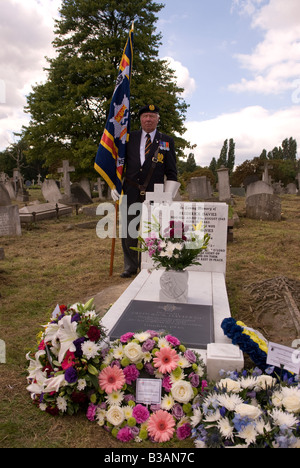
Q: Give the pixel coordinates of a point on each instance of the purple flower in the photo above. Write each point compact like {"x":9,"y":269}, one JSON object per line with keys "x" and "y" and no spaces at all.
{"x":77,"y":343}
{"x":195,"y":379}
{"x":140,"y":413}
{"x":177,"y":411}
{"x":184,"y":431}
{"x":131,"y":373}
{"x":71,"y":375}
{"x":75,"y":318}
{"x":148,"y":345}
{"x":190,"y":356}
{"x":125,"y":434}
{"x":128,"y":398}
{"x":149,"y":368}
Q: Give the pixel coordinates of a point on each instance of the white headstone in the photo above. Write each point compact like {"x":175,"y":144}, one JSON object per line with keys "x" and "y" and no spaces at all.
{"x":50,"y":191}
{"x":211,"y":218}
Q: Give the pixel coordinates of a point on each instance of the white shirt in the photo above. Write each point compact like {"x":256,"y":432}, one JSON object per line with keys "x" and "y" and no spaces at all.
{"x":143,"y":144}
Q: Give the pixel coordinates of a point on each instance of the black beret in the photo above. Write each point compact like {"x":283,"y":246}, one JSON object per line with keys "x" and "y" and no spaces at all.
{"x":149,"y":109}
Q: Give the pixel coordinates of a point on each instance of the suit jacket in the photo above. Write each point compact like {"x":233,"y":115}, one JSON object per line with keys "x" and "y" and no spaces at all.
{"x":137,"y":173}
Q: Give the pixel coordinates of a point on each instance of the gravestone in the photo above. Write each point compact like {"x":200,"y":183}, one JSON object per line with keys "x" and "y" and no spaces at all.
{"x":259,"y":187}
{"x":291,"y":189}
{"x":223,"y":184}
{"x":298,"y":179}
{"x":263,"y":206}
{"x":266,"y":177}
{"x":86,"y":186}
{"x":199,"y":188}
{"x":141,"y":305}
{"x":9,"y":215}
{"x":2,"y":352}
{"x":66,"y":171}
{"x":2,"y":253}
{"x":50,"y":191}
{"x":79,"y":195}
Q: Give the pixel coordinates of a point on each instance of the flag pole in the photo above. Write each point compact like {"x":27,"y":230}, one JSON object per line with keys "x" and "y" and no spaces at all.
{"x":113,"y":241}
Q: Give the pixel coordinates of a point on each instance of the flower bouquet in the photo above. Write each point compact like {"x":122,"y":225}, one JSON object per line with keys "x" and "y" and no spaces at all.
{"x":250,"y":410}
{"x":64,"y":368}
{"x":174,"y":250}
{"x":157,"y":356}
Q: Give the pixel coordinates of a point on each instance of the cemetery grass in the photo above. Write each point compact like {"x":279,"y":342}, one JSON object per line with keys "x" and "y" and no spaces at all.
{"x":57,"y":262}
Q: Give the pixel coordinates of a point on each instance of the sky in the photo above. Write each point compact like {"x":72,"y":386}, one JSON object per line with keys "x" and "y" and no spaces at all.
{"x":237,"y":60}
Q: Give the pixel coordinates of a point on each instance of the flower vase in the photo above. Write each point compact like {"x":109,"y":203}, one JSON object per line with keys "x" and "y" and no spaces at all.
{"x":174,"y":286}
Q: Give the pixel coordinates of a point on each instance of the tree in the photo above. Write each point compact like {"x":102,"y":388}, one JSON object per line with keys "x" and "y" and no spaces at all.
{"x":69,"y":111}
{"x":227,"y":156}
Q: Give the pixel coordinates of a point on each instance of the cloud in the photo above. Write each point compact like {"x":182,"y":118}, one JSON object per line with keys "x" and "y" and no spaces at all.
{"x":253,"y":129}
{"x":26,"y":34}
{"x":275,"y":62}
{"x":184,"y":80}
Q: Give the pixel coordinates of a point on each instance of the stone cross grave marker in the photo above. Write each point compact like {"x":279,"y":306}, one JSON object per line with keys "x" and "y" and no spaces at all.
{"x":66,"y":170}
{"x":9,"y":215}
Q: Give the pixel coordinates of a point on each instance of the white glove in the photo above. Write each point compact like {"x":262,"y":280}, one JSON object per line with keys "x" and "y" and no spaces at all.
{"x":115,"y":195}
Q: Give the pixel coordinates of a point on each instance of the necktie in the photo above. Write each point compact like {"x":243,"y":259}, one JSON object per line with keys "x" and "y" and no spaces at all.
{"x":148,"y":145}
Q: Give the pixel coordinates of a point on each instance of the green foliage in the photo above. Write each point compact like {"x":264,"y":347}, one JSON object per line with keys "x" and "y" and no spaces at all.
{"x":69,"y":111}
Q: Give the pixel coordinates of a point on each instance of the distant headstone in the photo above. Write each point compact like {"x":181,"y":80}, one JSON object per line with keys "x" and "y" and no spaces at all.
{"x":199,"y":189}
{"x":50,"y":191}
{"x":85,"y":184}
{"x":2,"y":352}
{"x":66,"y":170}
{"x":291,"y":189}
{"x":223,"y":184}
{"x":4,"y":196}
{"x":79,"y":195}
{"x":9,"y":215}
{"x":192,"y":324}
{"x":259,"y":187}
{"x":2,"y":254}
{"x":264,"y":206}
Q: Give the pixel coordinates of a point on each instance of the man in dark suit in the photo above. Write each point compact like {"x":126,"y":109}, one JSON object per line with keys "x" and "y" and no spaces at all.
{"x":150,"y":159}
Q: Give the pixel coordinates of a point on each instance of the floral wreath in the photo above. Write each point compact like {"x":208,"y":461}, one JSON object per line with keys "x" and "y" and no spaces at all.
{"x":64,"y":367}
{"x":251,"y":343}
{"x":151,"y":355}
{"x":249,"y":410}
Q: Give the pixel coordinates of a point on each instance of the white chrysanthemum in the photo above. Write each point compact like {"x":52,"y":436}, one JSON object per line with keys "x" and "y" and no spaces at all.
{"x":248,"y":382}
{"x":213,"y":416}
{"x":43,"y":407}
{"x":248,"y":433}
{"x":200,"y":371}
{"x":147,"y":357}
{"x":225,"y":428}
{"x":280,"y":418}
{"x":229,"y":401}
{"x":196,"y":418}
{"x":62,"y":404}
{"x":127,"y":411}
{"x":162,"y":343}
{"x":115,"y":398}
{"x":108,"y":359}
{"x":90,"y":349}
{"x":262,"y":427}
{"x":277,"y":398}
{"x":81,"y":384}
{"x":100,"y":416}
{"x":183,"y":362}
{"x":167,"y":403}
{"x":118,"y":352}
{"x":142,"y":336}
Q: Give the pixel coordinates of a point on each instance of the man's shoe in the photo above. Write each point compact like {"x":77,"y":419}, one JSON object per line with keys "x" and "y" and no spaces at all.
{"x":128,"y":274}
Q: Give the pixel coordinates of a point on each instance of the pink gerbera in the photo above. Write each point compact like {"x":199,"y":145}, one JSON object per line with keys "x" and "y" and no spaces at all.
{"x":166,"y":360}
{"x":111,"y":379}
{"x":161,"y":426}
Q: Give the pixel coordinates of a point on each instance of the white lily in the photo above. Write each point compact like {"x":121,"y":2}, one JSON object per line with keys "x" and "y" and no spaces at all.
{"x":54,"y":384}
{"x":37,"y":387}
{"x":66,"y":335}
{"x":51,"y":333}
{"x":35,"y":365}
